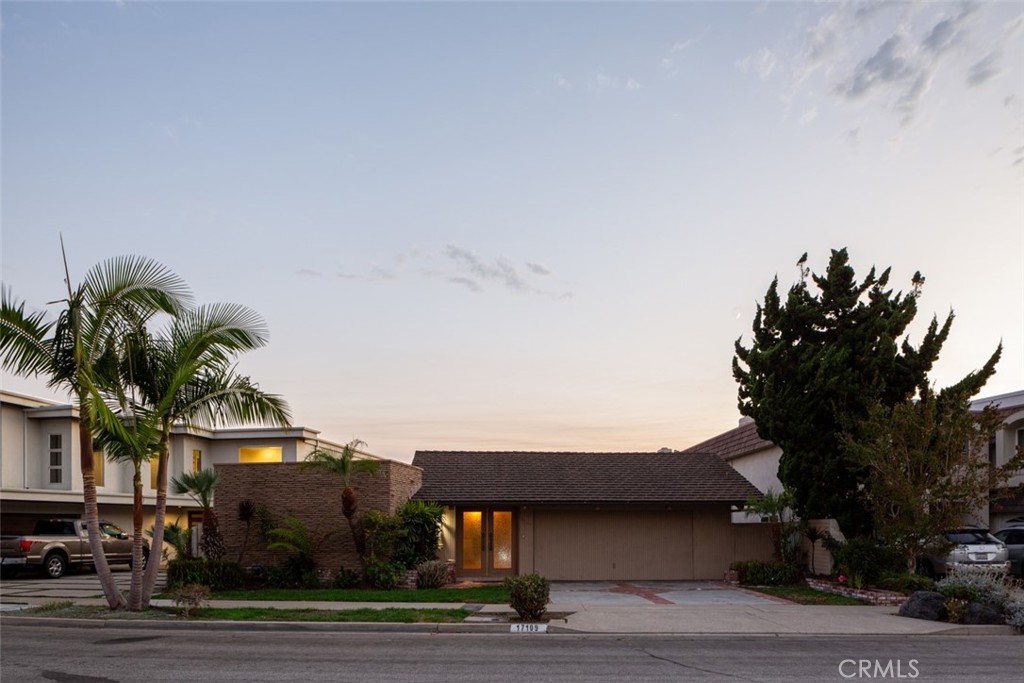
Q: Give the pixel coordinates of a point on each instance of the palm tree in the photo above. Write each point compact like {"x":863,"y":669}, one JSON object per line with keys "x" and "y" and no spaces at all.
{"x":74,"y":350}
{"x":129,"y":434}
{"x":346,"y":465}
{"x":199,"y":486}
{"x":184,"y":376}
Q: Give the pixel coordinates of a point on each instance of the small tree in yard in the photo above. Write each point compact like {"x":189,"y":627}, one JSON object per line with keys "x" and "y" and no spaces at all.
{"x":776,"y":508}
{"x":200,"y":487}
{"x":346,"y":464}
{"x":927,"y":464}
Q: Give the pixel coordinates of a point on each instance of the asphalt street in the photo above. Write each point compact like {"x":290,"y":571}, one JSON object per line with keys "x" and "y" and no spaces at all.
{"x":122,"y":655}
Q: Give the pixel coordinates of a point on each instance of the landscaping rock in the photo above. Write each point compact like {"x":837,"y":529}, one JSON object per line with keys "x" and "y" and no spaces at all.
{"x":977,"y":613}
{"x":925,"y":605}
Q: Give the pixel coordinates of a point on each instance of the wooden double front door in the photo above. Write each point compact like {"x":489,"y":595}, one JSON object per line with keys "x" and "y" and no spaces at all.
{"x":485,"y":544}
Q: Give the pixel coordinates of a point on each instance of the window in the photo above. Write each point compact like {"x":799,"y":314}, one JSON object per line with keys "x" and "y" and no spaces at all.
{"x":56,"y":462}
{"x":197,"y":460}
{"x":1020,"y":438}
{"x":259,"y":455}
{"x":98,"y":469}
{"x":992,"y":453}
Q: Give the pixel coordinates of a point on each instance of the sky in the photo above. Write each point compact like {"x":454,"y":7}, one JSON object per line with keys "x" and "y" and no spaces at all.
{"x":530,"y":226}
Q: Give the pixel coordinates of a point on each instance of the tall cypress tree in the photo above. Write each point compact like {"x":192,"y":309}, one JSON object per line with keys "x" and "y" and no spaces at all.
{"x":819,"y":361}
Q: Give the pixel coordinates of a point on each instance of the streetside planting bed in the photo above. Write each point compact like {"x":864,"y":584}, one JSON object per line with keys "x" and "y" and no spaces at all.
{"x":806,"y":595}
{"x":872,"y":596}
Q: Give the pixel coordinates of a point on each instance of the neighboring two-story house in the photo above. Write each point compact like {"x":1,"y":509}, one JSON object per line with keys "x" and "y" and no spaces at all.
{"x":758,"y":460}
{"x":41,"y":474}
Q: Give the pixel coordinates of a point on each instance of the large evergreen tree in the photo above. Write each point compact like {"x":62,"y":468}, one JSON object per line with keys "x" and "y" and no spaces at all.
{"x":819,"y":361}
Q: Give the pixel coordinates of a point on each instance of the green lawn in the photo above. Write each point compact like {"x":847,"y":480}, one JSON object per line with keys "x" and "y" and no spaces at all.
{"x":488,"y":595}
{"x":805,"y":595}
{"x":389,"y":614}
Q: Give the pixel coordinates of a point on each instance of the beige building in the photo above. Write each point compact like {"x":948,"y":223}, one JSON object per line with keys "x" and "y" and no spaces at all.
{"x":41,"y":474}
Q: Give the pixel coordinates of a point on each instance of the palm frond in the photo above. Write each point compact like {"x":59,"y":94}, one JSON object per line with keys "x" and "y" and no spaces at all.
{"x":24,"y":345}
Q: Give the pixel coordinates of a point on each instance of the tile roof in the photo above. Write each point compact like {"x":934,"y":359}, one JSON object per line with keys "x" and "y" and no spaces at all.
{"x":733,"y":443}
{"x":532,"y":477}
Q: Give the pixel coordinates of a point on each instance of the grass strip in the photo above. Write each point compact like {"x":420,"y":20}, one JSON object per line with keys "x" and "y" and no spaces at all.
{"x":397,"y":615}
{"x":394,"y":615}
{"x":805,"y":595}
{"x":487,"y":595}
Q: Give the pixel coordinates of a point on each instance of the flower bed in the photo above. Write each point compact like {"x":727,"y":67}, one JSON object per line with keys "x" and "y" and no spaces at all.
{"x":875,"y":597}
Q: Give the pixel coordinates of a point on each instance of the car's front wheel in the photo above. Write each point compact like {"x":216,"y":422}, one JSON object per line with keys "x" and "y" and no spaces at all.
{"x":55,"y":566}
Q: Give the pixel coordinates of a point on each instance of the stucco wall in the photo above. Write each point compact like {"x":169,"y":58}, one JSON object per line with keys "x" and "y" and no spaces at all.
{"x":312,"y":496}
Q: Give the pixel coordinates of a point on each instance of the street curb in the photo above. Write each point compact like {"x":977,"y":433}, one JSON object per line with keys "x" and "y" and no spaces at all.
{"x":456,"y":628}
{"x":349,"y":627}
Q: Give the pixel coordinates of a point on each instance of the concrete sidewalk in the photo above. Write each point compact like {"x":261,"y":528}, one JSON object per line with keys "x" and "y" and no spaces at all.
{"x":690,"y":620}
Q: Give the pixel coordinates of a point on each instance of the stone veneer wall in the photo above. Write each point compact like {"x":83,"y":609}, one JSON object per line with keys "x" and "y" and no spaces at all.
{"x":875,"y":597}
{"x":312,"y":496}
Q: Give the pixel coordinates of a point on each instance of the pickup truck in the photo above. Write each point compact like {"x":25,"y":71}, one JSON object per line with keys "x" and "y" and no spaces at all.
{"x":55,"y":545}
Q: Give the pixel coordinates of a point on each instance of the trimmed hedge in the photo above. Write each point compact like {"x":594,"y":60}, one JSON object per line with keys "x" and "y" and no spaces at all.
{"x":756,"y":573}
{"x":217,"y":575}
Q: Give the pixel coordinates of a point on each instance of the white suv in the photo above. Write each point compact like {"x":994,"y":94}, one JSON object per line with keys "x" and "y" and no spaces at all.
{"x":971,"y":547}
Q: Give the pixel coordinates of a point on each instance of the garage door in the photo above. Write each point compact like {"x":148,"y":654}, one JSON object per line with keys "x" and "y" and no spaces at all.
{"x":597,"y":545}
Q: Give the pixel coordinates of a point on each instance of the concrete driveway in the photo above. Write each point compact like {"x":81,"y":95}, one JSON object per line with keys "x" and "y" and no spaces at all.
{"x":74,"y":584}
{"x":566,"y":594}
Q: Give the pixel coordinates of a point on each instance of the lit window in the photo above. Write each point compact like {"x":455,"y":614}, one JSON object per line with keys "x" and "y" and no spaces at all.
{"x":56,"y":467}
{"x":250,"y":456}
{"x":98,"y":469}
{"x":197,"y":460}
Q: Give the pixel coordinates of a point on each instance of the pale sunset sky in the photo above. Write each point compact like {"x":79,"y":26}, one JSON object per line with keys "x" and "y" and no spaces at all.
{"x":531,"y":225}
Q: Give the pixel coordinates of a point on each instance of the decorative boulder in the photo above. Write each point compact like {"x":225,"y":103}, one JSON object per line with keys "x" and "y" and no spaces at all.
{"x":978,"y":613}
{"x":925,"y":605}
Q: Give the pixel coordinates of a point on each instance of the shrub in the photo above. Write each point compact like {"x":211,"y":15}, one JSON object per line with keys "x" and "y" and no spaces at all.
{"x":976,"y":584}
{"x":432,"y":574}
{"x":217,"y":575}
{"x":296,"y":571}
{"x":757,"y":573}
{"x":189,"y":597}
{"x":1015,"y":612}
{"x":421,"y":527}
{"x":528,"y":595}
{"x":863,"y":560}
{"x":956,"y":609}
{"x":383,"y":532}
{"x":346,"y":578}
{"x":906,"y":583}
{"x":381,"y":574}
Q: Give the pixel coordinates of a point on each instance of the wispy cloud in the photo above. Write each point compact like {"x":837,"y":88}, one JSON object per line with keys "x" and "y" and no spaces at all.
{"x":458,"y":266}
{"x":983,"y":70}
{"x":762,"y":62}
{"x":562,"y":82}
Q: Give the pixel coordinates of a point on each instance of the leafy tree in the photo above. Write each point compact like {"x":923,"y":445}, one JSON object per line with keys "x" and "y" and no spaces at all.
{"x":819,"y":361}
{"x":199,"y":486}
{"x":927,"y":464}
{"x":346,"y":464}
{"x":77,"y":348}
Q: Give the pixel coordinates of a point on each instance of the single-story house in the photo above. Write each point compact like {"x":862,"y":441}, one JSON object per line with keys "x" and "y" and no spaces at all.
{"x":590,"y":516}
